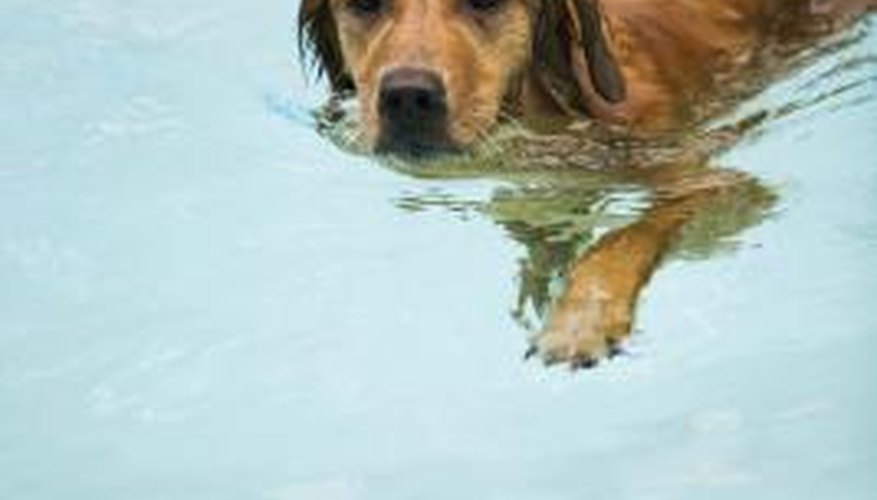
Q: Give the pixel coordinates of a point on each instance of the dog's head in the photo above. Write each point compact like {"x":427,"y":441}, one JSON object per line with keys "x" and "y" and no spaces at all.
{"x":433,"y":75}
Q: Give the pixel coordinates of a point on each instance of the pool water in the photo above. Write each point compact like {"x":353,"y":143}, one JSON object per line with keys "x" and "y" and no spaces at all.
{"x":202,"y":298}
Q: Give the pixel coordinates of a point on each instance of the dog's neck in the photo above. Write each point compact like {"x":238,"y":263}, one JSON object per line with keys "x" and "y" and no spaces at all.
{"x":527,"y":96}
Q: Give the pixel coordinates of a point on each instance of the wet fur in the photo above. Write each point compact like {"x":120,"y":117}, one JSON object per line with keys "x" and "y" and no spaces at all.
{"x":624,"y":62}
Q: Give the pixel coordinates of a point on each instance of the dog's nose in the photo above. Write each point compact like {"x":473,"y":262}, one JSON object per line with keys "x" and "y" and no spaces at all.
{"x":412,"y":98}
{"x":413,"y":111}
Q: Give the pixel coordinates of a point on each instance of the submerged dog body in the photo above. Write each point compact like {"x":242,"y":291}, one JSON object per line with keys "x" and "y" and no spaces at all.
{"x":437,"y":74}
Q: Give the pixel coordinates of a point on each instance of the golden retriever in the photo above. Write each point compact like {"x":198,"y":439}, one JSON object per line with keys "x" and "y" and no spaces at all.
{"x":437,"y":75}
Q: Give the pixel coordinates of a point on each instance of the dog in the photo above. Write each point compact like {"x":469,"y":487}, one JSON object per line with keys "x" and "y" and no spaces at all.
{"x":436,"y":76}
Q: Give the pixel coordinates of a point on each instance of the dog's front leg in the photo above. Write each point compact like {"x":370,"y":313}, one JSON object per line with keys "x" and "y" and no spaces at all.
{"x":596,"y":310}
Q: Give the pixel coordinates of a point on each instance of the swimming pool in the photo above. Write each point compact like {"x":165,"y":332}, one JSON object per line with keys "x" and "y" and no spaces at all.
{"x":201,"y":298}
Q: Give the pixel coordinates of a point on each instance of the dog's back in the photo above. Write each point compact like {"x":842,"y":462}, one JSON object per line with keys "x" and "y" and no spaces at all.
{"x":673,"y":51}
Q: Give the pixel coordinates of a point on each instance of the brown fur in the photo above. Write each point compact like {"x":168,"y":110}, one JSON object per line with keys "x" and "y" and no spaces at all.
{"x":638,"y":63}
{"x":641,"y":64}
{"x":477,"y":59}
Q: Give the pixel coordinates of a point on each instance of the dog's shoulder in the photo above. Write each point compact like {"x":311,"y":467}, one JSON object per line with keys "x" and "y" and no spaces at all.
{"x":672,"y":50}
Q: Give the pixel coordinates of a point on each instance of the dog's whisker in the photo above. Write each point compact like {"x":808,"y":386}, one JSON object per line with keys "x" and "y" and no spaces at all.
{"x":489,"y":144}
{"x":509,"y":119}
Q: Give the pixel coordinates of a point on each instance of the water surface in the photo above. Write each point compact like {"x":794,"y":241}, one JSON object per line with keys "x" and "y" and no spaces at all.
{"x":201,"y":298}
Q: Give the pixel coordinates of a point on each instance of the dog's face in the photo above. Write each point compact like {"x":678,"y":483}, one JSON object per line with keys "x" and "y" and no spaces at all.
{"x":432,"y":75}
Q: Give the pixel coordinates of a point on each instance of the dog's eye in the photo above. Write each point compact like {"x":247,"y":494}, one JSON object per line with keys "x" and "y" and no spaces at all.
{"x":483,"y":5}
{"x":365,"y":7}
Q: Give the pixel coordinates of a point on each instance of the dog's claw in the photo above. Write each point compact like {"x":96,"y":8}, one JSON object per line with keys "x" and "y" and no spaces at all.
{"x":560,"y":346}
{"x":614,"y":348}
{"x":583,"y":362}
{"x":550,"y":359}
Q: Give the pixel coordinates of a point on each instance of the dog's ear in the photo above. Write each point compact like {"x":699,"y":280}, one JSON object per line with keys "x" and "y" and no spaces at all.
{"x":318,"y":38}
{"x":563,"y":27}
{"x":587,"y":28}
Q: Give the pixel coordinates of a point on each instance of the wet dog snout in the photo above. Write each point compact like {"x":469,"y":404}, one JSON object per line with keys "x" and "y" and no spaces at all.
{"x":412,"y":100}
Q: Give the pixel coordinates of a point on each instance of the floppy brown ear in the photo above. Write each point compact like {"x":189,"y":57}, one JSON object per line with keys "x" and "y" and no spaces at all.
{"x":587,"y":27}
{"x":565,"y":26}
{"x":318,"y":38}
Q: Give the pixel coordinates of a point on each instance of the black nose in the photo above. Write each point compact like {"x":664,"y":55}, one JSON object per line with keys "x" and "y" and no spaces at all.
{"x":410,"y":96}
{"x":413,"y":110}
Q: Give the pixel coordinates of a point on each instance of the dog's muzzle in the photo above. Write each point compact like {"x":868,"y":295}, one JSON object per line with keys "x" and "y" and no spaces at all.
{"x":413,"y":112}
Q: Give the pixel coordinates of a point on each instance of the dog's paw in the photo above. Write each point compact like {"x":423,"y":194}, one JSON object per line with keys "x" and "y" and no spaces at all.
{"x":582,"y":332}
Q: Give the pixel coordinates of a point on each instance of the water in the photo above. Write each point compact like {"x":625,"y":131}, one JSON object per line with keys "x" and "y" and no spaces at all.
{"x":200,"y":298}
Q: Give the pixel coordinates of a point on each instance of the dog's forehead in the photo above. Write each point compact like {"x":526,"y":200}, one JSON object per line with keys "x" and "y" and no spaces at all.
{"x":449,"y":3}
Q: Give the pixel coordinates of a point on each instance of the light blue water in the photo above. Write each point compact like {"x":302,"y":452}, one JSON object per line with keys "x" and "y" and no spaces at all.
{"x":200,"y":298}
